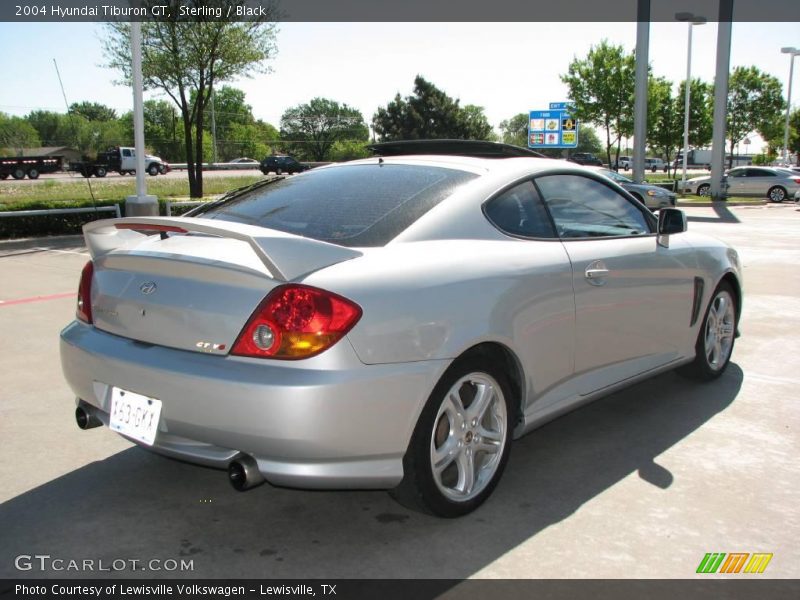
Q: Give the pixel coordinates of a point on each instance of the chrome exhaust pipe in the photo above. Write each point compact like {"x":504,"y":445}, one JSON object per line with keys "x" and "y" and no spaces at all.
{"x":243,"y":473}
{"x":85,"y":419}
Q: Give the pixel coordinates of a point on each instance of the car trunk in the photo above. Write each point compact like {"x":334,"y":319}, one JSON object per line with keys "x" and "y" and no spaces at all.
{"x":192,"y":292}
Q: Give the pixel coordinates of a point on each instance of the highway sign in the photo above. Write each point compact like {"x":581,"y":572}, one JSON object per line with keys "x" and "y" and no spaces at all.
{"x":554,"y":128}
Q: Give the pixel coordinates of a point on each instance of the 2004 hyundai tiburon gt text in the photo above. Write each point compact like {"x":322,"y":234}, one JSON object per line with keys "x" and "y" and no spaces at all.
{"x":392,"y":322}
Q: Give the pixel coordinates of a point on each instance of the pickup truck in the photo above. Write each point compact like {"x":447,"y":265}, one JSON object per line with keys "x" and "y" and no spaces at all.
{"x":120,"y":160}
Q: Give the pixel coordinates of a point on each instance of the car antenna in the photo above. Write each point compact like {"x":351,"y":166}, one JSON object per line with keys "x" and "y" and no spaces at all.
{"x":75,"y":133}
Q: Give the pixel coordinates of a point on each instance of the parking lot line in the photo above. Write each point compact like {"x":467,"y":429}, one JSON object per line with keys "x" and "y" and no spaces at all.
{"x":36,"y":299}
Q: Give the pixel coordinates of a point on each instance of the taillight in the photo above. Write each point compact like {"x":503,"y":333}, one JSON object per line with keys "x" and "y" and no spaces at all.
{"x":84,"y":308}
{"x":296,"y":321}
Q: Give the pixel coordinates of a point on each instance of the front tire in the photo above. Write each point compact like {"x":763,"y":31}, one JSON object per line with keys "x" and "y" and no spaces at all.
{"x":716,"y":337}
{"x":18,"y":173}
{"x":461,"y":443}
{"x":703,"y":190}
{"x":152,"y":170}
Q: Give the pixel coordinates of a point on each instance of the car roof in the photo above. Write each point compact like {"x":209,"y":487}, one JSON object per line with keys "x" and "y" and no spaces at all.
{"x":451,"y":147}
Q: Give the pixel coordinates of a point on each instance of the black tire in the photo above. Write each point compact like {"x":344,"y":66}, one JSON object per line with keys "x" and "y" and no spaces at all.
{"x":704,"y":367}
{"x":776,"y":194}
{"x":3,"y":175}
{"x":18,"y":173}
{"x":278,"y":171}
{"x":152,"y":170}
{"x":703,"y":190}
{"x":100,"y":171}
{"x":441,"y":494}
{"x":33,"y":173}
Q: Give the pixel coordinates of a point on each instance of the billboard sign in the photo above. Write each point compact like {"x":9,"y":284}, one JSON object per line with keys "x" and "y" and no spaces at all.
{"x":553,"y":128}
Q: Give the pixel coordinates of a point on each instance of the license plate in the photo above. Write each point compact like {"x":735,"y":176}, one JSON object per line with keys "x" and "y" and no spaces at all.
{"x":134,"y":415}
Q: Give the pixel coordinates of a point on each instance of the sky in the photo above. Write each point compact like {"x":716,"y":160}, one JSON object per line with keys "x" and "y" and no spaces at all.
{"x":507,"y":68}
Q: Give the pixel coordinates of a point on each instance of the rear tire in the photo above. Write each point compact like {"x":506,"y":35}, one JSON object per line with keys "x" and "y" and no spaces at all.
{"x":33,"y":173}
{"x":3,"y":175}
{"x":461,"y":442}
{"x":18,"y":173}
{"x":100,"y":172}
{"x":777,"y":194}
{"x":716,"y":337}
{"x":152,"y":170}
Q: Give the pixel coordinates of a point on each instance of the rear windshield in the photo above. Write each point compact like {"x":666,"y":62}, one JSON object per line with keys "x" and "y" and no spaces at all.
{"x":351,"y":205}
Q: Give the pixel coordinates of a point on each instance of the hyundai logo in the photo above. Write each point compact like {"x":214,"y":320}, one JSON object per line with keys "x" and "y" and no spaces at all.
{"x":148,"y":287}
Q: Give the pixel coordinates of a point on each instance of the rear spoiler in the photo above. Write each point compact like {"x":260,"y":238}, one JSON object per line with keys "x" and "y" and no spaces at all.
{"x":285,"y":255}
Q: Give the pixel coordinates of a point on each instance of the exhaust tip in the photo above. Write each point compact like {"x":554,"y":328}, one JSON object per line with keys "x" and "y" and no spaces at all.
{"x":85,"y":419}
{"x":243,"y":473}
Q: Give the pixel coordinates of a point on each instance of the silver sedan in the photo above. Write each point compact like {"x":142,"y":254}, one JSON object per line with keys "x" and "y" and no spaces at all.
{"x":773,"y":183}
{"x":653,"y":196}
{"x":393,"y":322}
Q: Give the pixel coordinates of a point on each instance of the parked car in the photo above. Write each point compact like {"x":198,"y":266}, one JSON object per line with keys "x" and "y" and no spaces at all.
{"x":654,"y":197}
{"x":772,"y":183}
{"x":655,"y":164}
{"x":585,"y":158}
{"x":244,"y":160}
{"x":624,"y":163}
{"x":282,"y":164}
{"x":392,"y":322}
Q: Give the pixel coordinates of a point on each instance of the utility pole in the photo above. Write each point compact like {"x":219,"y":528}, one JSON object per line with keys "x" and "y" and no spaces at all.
{"x":213,"y":130}
{"x":640,"y":95}
{"x":721,"y":98}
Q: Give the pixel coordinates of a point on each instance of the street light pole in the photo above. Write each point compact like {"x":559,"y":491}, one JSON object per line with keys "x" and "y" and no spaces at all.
{"x":691,"y":20}
{"x":792,"y":52}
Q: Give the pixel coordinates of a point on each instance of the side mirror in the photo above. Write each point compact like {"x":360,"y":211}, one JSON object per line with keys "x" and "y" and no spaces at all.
{"x":671,"y":220}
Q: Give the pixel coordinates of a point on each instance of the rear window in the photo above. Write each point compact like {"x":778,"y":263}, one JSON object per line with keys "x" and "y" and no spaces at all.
{"x":352,"y":205}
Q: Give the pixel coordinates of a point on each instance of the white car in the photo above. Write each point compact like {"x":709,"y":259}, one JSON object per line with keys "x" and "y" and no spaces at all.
{"x":393,"y":322}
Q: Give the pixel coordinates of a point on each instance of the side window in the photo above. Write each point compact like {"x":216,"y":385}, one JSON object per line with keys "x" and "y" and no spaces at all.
{"x":126,"y":152}
{"x":519,"y":211}
{"x":583,"y":208}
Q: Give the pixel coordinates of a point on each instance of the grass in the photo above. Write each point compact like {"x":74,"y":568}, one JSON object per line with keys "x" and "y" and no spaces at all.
{"x":116,"y":189}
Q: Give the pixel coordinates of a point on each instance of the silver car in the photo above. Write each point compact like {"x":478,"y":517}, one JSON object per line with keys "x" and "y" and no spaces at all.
{"x":653,"y":196}
{"x":393,"y":322}
{"x":773,"y":183}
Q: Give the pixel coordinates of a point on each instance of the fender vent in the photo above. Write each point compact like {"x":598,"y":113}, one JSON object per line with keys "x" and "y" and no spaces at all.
{"x":697,"y":300}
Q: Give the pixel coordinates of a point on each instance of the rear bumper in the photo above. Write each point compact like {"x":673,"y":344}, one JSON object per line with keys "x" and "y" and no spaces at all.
{"x":331,"y":422}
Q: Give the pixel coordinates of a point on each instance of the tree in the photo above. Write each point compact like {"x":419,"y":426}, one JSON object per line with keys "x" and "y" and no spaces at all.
{"x":601,"y":87}
{"x":794,"y":134}
{"x":701,"y":111}
{"x":430,"y":114}
{"x":515,"y":130}
{"x":588,"y":141}
{"x":54,"y":128}
{"x":181,"y":56}
{"x":16,"y":133}
{"x":665,"y":118}
{"x":310,"y":130}
{"x":755,"y":102}
{"x":93,"y":111}
{"x":161,"y":129}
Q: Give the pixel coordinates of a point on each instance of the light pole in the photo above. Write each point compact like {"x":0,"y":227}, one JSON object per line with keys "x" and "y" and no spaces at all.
{"x":792,"y":52}
{"x":690,"y":20}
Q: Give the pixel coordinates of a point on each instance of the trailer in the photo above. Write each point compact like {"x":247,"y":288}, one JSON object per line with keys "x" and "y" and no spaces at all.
{"x":695,"y":159}
{"x":32,"y":166}
{"x":120,"y":160}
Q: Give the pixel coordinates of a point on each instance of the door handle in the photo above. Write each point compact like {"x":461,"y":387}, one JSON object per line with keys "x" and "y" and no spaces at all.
{"x":596,"y":273}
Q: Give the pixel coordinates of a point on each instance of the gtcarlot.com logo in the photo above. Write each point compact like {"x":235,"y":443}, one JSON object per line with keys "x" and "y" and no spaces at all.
{"x":45,"y":562}
{"x":734,"y":562}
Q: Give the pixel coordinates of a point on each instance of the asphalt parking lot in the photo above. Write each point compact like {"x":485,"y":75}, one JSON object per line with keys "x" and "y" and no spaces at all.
{"x":641,"y":484}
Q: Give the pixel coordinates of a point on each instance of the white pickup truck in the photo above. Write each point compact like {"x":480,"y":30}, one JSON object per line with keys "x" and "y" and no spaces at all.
{"x":121,"y":160}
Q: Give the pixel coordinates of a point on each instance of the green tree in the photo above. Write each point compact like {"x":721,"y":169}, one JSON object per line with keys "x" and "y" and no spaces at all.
{"x":601,"y":87}
{"x":665,"y":119}
{"x":162,"y":130}
{"x":349,"y":150}
{"x":755,"y":102}
{"x":794,"y":134}
{"x":54,"y":128}
{"x":514,"y":131}
{"x":93,"y":111}
{"x":310,"y":130}
{"x":701,"y":111}
{"x":181,"y":56}
{"x":16,"y":133}
{"x":429,"y":113}
{"x":588,"y":140}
